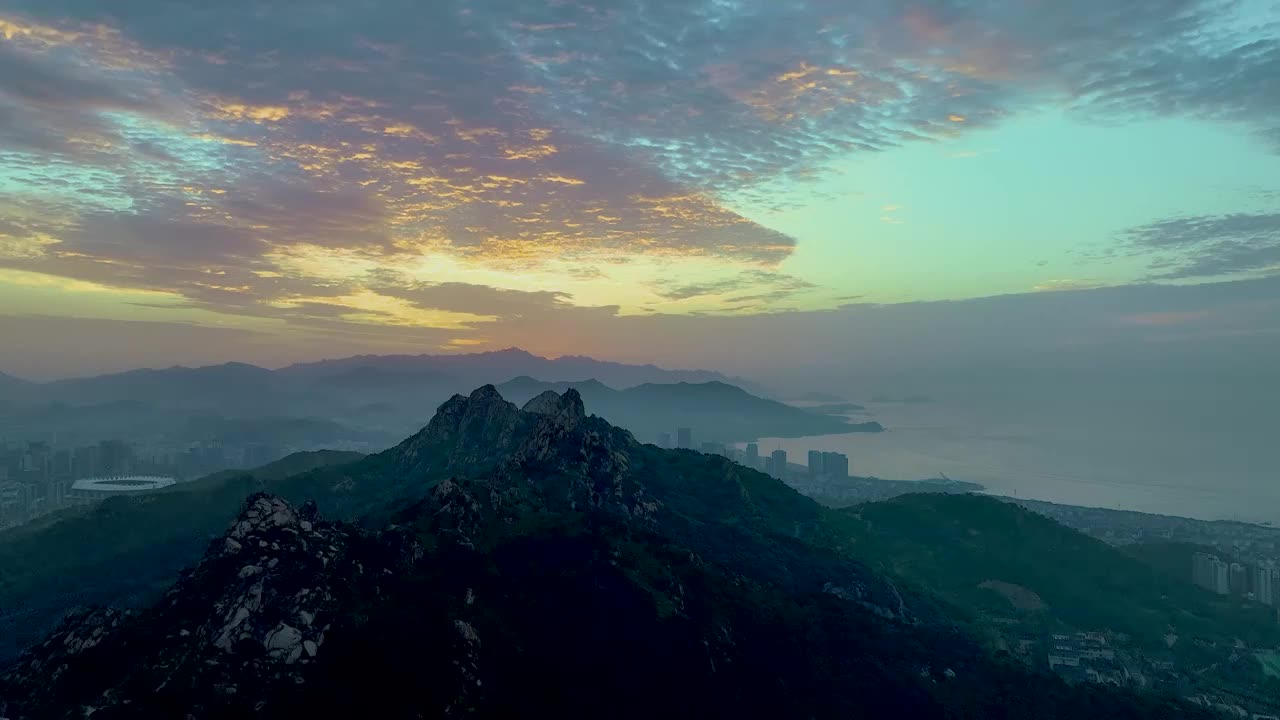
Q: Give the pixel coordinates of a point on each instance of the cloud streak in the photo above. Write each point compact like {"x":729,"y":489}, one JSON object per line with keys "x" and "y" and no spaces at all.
{"x":1210,"y":246}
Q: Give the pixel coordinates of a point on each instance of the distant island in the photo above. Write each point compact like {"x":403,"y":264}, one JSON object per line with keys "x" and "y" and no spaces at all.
{"x":840,"y":408}
{"x":820,"y":397}
{"x":713,"y":412}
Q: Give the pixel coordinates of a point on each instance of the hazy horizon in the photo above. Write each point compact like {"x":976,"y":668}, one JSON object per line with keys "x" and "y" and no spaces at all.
{"x":1230,"y":327}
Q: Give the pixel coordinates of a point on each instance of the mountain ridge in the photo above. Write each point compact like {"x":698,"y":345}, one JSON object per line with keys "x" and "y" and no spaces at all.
{"x":536,"y":560}
{"x":383,"y":396}
{"x":321,"y":368}
{"x":559,"y":368}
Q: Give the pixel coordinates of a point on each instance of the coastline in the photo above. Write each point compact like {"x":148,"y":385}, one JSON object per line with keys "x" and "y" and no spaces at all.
{"x":1052,"y":459}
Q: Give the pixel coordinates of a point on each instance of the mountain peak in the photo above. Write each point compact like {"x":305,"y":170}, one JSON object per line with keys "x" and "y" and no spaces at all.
{"x":569,"y":405}
{"x":485,"y":394}
{"x":511,"y":352}
{"x":465,"y":433}
{"x":458,"y":407}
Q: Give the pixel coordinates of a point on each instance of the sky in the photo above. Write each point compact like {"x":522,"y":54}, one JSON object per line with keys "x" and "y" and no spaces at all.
{"x":754,"y":185}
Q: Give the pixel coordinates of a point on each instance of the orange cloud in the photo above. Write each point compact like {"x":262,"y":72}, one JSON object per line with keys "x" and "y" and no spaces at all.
{"x":807,"y":91}
{"x":245,"y":111}
{"x":562,"y":180}
{"x":474,"y":135}
{"x":15,"y":28}
{"x":224,"y":140}
{"x":530,"y":153}
{"x":405,"y":130}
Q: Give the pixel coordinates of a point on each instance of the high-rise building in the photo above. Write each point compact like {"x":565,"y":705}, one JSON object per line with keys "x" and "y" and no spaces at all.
{"x":768,"y":465}
{"x":1238,"y":579}
{"x":684,"y":438}
{"x":10,"y":498}
{"x":780,"y":463}
{"x":664,"y":440}
{"x":1262,"y":582}
{"x":753,"y":455}
{"x":62,"y":465}
{"x":86,"y":462}
{"x":835,"y":465}
{"x":1210,"y":573}
{"x":815,"y":462}
{"x":116,"y":457}
{"x":37,"y":462}
{"x":1221,"y":577}
{"x":55,"y":493}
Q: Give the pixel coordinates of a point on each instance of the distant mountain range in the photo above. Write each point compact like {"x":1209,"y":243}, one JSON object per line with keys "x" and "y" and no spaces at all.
{"x":386,"y":397}
{"x":714,"y":411}
{"x":460,"y":370}
{"x":465,"y":370}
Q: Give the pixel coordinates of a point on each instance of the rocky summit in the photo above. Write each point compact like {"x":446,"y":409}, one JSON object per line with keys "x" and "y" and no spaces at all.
{"x":535,"y":562}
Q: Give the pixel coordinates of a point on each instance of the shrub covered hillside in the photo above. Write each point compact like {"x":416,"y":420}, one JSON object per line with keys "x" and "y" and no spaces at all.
{"x":975,"y":551}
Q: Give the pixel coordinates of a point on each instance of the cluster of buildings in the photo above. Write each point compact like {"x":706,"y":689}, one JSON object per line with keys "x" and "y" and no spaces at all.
{"x":684,"y":439}
{"x":1087,"y":657}
{"x":773,"y":464}
{"x":829,"y":464}
{"x":1108,"y":658}
{"x":1258,"y":581}
{"x":822,"y":465}
{"x":39,"y":477}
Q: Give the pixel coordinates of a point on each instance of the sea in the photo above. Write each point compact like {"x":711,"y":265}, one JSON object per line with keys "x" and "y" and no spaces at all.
{"x":1164,"y":458}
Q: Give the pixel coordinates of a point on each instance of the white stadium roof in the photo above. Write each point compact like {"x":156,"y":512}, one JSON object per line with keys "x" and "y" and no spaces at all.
{"x":123,"y":484}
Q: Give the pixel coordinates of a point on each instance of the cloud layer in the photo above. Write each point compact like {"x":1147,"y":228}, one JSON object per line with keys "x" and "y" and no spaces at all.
{"x":396,"y":164}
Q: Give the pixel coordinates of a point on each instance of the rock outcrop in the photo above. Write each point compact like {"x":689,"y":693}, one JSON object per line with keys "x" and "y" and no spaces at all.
{"x":79,"y":632}
{"x":253,"y":614}
{"x":564,"y":461}
{"x":465,"y":433}
{"x":567,"y":406}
